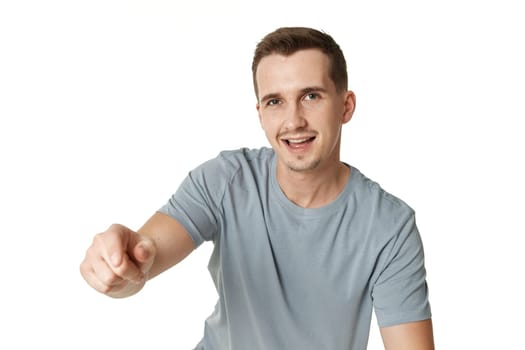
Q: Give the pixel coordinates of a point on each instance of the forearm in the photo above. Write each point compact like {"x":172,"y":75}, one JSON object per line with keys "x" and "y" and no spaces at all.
{"x":171,"y":239}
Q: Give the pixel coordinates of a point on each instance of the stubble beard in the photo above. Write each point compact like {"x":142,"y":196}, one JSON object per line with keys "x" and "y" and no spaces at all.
{"x":301,"y":165}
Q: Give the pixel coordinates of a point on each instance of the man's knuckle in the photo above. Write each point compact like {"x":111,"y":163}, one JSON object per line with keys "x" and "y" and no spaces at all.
{"x":110,"y":279}
{"x":83,"y":268}
{"x":105,"y":289}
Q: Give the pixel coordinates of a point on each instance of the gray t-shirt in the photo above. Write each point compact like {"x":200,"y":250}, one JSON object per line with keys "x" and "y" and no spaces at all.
{"x":299,"y":278}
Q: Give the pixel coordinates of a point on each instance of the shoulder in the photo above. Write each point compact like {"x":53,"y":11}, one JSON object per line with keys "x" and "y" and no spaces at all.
{"x":385,"y":207}
{"x":228,"y":164}
{"x":389,"y":223}
{"x":235,"y":159}
{"x":245,"y":155}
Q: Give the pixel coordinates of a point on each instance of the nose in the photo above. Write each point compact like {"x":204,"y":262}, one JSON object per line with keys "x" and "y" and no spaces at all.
{"x":294,"y":117}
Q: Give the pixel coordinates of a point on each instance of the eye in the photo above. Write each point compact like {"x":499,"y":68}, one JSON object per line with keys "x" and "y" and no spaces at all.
{"x":311,"y":96}
{"x":273,"y":102}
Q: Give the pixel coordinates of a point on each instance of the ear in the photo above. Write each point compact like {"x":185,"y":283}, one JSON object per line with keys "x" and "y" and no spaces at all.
{"x":349,"y":106}
{"x":258,"y":107}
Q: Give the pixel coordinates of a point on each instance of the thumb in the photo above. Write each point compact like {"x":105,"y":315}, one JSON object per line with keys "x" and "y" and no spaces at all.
{"x":144,"y":254}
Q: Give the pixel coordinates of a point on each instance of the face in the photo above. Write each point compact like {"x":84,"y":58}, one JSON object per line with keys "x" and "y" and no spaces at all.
{"x":300,"y":110}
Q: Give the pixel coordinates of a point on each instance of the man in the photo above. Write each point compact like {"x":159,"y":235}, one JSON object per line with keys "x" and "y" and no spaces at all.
{"x":305,"y":246}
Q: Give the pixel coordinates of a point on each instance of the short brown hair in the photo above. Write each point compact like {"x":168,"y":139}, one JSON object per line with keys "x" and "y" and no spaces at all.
{"x":288,"y":40}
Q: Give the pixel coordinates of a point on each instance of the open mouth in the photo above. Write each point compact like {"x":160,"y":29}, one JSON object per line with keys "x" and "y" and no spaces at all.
{"x":300,"y":142}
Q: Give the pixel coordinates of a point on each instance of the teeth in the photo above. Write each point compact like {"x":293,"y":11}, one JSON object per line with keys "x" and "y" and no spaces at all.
{"x":298,"y":141}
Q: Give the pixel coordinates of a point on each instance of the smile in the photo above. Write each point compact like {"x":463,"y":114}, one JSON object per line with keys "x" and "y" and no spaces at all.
{"x":298,"y":143}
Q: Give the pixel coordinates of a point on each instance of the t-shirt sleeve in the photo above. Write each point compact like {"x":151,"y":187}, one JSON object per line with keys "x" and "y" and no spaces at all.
{"x":400,"y":293}
{"x":196,"y":203}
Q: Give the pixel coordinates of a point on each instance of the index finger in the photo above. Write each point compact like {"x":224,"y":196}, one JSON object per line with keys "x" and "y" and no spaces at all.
{"x":114,"y":244}
{"x":115,"y":241}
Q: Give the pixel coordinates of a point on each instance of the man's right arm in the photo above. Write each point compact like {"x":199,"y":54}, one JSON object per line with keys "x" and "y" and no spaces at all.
{"x":120,"y":261}
{"x":172,"y":241}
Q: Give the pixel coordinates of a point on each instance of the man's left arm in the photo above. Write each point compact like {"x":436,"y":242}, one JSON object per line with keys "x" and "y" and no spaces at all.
{"x":409,"y":336}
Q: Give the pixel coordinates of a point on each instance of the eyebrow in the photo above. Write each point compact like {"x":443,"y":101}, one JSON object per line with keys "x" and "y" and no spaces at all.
{"x":306,"y":90}
{"x":312,"y":89}
{"x":270,"y":97}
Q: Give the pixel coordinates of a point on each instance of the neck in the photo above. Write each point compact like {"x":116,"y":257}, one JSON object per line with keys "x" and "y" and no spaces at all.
{"x":314,"y":188}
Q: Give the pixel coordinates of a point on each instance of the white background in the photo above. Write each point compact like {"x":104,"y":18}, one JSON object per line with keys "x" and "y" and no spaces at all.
{"x":106,"y":105}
